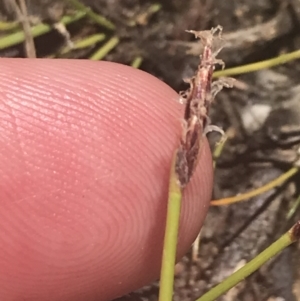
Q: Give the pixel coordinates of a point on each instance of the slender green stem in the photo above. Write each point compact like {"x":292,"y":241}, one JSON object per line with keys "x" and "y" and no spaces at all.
{"x":250,"y":194}
{"x":100,"y":20}
{"x":170,"y":240}
{"x":284,"y":241}
{"x":281,"y":59}
{"x":145,"y":15}
{"x":19,"y":37}
{"x":294,"y":208}
{"x":89,"y":41}
{"x":84,"y":43}
{"x":136,"y":63}
{"x":5,"y":26}
{"x":154,"y":8}
{"x":218,"y":150}
{"x":105,"y":49}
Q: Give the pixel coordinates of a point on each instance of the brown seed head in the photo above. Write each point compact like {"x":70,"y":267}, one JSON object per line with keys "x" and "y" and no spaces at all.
{"x":198,"y":99}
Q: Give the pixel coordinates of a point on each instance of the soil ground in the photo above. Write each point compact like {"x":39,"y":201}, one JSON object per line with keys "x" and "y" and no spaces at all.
{"x":261,"y":116}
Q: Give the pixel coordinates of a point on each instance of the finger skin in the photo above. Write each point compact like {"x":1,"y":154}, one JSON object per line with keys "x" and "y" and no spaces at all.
{"x":85,"y":154}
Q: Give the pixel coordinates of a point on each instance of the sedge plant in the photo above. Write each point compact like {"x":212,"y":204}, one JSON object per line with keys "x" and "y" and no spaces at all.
{"x":197,"y":102}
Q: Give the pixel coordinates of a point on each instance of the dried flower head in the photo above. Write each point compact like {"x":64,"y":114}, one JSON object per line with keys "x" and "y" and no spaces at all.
{"x":198,"y":99}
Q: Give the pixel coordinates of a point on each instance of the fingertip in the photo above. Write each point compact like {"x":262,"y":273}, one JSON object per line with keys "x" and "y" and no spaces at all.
{"x":86,"y":149}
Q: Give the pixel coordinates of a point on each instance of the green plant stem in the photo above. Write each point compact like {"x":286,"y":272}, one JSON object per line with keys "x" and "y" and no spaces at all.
{"x":89,"y":41}
{"x":136,"y":63}
{"x":6,"y":26}
{"x":281,"y":59}
{"x":19,"y":37}
{"x":284,"y":241}
{"x":154,"y":8}
{"x":105,"y":49}
{"x":86,"y":42}
{"x":171,"y":236}
{"x":250,"y":194}
{"x":100,"y":20}
{"x":218,"y":150}
{"x":294,"y":208}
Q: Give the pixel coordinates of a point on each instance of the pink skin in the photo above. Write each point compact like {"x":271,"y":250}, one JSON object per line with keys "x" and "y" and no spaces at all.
{"x":85,"y":152}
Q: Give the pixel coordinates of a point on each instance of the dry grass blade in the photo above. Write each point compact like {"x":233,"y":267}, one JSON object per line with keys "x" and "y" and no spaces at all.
{"x":22,"y":15}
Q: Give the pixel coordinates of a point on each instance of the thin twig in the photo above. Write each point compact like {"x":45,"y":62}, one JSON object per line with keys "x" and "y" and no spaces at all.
{"x":22,"y":16}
